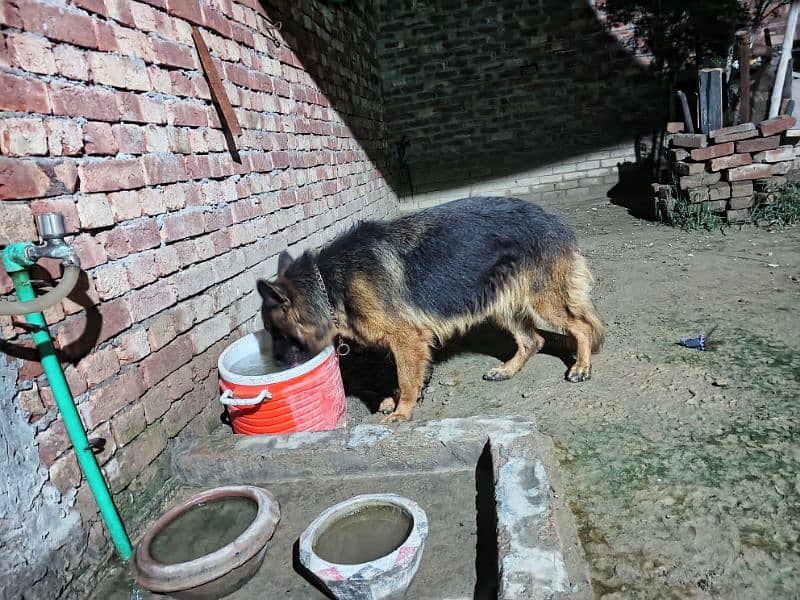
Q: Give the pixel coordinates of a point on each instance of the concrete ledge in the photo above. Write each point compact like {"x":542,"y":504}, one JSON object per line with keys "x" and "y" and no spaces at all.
{"x":539,"y":554}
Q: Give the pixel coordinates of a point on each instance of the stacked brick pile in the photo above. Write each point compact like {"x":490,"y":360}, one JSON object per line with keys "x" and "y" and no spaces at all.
{"x":106,"y":117}
{"x":731,"y":169}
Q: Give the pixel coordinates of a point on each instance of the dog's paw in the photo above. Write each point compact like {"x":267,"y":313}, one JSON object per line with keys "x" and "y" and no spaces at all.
{"x":577,"y":374}
{"x":395,"y":417}
{"x":387,"y":405}
{"x":496,"y":374}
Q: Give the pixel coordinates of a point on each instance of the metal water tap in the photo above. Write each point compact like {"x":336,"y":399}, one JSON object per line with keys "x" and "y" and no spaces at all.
{"x":52,"y":231}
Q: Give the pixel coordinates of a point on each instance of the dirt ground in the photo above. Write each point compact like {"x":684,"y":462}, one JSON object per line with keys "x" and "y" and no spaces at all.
{"x":681,"y":466}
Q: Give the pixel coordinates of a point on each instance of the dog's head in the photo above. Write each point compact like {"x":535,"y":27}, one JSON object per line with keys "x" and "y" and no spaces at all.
{"x":294,"y":310}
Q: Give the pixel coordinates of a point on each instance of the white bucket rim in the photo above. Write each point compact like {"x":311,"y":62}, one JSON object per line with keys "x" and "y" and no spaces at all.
{"x":242,"y":347}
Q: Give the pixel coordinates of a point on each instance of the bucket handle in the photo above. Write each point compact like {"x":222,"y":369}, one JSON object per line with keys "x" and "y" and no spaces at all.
{"x":228,"y":399}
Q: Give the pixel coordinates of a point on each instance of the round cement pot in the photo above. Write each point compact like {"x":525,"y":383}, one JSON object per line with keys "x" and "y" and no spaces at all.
{"x":337,"y":546}
{"x":221,"y":571}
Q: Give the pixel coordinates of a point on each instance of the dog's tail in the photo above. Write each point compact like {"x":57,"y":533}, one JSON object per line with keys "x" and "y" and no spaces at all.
{"x":579,"y":285}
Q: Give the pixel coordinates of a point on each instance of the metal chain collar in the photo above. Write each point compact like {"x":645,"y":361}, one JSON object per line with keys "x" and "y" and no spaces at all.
{"x":342,"y":348}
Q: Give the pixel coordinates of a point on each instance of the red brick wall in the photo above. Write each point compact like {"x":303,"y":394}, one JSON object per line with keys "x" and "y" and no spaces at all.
{"x":106,"y":117}
{"x":481,"y":91}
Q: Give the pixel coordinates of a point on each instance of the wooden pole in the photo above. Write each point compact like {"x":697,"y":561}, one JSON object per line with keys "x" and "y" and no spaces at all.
{"x":744,"y":79}
{"x":783,"y":64}
{"x":230,"y":123}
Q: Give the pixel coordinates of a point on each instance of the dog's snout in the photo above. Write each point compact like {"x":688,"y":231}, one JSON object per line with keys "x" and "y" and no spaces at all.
{"x":287,"y":351}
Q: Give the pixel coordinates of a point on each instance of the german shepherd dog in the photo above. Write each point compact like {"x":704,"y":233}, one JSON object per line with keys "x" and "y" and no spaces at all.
{"x":408,"y":284}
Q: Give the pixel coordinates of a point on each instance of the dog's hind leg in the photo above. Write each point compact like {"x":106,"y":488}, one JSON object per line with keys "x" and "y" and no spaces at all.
{"x":570,"y":309}
{"x":412,"y":355}
{"x":528,"y":341}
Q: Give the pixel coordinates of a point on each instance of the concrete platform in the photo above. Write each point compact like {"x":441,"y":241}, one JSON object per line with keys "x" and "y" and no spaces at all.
{"x":498,"y":528}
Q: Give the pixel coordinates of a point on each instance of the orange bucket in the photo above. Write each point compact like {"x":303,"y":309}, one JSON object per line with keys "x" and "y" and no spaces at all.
{"x":308,"y":397}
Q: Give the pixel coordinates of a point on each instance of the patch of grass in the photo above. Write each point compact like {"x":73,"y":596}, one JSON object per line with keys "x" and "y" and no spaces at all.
{"x":690,"y":215}
{"x":781,"y":210}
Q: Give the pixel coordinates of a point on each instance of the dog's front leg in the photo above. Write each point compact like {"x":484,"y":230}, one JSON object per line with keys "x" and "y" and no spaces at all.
{"x":412,"y":354}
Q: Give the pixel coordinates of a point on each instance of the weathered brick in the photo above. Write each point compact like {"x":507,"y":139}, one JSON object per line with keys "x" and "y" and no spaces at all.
{"x":89,"y":251}
{"x":130,"y":138}
{"x":698,"y":195}
{"x":31,"y":53}
{"x":124,"y":205}
{"x":686,"y":140}
{"x":741,"y":188}
{"x":107,"y":444}
{"x":150,"y":300}
{"x":159,"y":364}
{"x":79,"y":101}
{"x":740,"y":202}
{"x":776,"y":125}
{"x":167,"y":260}
{"x":695,"y":181}
{"x":65,"y":474}
{"x":782,"y":168}
{"x":82,"y":297}
{"x":18,"y":94}
{"x":63,"y":137}
{"x":777,"y":155}
{"x":94,"y":211}
{"x":23,"y":137}
{"x":675,"y":127}
{"x":71,"y":62}
{"x":21,"y":179}
{"x":730,"y":161}
{"x":136,"y":455}
{"x":163,"y":168}
{"x":206,"y":333}
{"x":159,"y":398}
{"x":118,"y":71}
{"x":140,"y":109}
{"x":58,"y":23}
{"x":742,"y":127}
{"x":99,"y":366}
{"x":111,"y":280}
{"x":687,"y":168}
{"x":678,"y":154}
{"x":17,"y":224}
{"x":111,"y":175}
{"x":754,"y":171}
{"x":30,"y":402}
{"x":107,"y":399}
{"x":161,"y":331}
{"x":716,"y":205}
{"x":127,"y":424}
{"x":719,"y":191}
{"x":98,"y":139}
{"x":715,"y":151}
{"x":182,"y":225}
{"x":52,"y":442}
{"x":143,"y":235}
{"x":183,"y":411}
{"x":132,"y":346}
{"x":142,"y":269}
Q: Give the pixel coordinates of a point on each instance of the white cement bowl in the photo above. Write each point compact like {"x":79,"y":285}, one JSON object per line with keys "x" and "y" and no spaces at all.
{"x":384,"y":577}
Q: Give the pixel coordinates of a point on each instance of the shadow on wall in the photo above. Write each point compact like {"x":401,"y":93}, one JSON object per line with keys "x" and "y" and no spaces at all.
{"x":338,"y":51}
{"x":490,"y":89}
{"x":465,"y":91}
{"x":77,"y":337}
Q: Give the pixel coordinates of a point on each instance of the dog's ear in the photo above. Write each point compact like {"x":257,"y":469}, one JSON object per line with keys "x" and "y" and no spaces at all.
{"x":272,"y":293}
{"x":284,"y":260}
